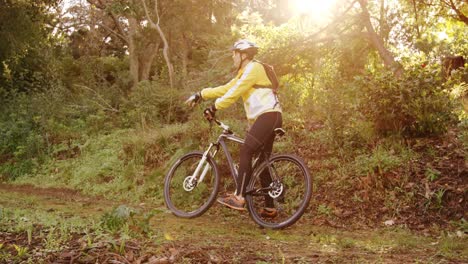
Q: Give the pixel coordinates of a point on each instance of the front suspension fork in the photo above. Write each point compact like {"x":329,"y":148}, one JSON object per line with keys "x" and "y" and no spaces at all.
{"x":206,"y":166}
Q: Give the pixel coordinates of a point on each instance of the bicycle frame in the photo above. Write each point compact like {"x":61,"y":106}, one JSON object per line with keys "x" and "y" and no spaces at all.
{"x":220,"y":143}
{"x":226,"y":135}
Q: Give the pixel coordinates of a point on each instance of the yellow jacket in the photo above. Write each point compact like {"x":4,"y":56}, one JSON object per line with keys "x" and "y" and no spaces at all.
{"x":256,"y":100}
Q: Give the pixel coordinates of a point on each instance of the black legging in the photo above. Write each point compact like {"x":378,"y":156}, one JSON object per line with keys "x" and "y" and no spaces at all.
{"x":261,"y":134}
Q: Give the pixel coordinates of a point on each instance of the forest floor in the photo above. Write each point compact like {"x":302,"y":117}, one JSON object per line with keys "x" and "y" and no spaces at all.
{"x":52,"y":225}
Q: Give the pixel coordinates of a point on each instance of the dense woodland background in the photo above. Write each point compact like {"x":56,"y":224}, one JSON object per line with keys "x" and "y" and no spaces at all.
{"x":374,"y":97}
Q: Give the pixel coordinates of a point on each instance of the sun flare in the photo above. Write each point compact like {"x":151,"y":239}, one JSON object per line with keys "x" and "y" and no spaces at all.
{"x":318,"y":9}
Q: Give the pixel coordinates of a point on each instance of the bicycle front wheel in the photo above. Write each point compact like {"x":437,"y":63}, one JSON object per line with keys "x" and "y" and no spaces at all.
{"x":189,"y":192}
{"x":283,"y":185}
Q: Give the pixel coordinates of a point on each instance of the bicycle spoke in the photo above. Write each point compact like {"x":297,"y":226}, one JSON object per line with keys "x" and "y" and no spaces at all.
{"x":287,"y":189}
{"x":185,"y":195}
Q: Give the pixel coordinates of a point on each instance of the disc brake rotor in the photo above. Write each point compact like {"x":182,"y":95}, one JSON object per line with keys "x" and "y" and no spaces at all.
{"x":276,"y":189}
{"x":189,"y":183}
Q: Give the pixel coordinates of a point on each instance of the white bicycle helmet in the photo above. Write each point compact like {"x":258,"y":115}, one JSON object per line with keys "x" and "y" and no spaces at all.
{"x":245,"y":46}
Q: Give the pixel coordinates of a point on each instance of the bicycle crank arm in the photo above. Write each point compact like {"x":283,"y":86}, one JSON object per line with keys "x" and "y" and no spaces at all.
{"x":259,"y":192}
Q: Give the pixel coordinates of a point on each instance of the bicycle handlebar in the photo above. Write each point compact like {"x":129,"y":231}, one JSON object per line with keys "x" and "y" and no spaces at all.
{"x":225,"y":127}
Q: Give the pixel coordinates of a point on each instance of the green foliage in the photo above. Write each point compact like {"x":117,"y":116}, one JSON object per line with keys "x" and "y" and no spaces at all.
{"x":451,"y":245}
{"x":439,"y":195}
{"x":21,"y":252}
{"x":432,"y":174}
{"x":323,"y":209}
{"x":21,"y":141}
{"x":346,"y":243}
{"x":338,"y":103}
{"x":127,"y":221}
{"x":26,"y":47}
{"x":117,"y":218}
{"x":381,"y":160}
{"x":416,"y":105}
{"x":103,"y":74}
{"x":432,"y":34}
{"x":152,"y":104}
{"x":126,"y":164}
{"x":95,"y":88}
{"x":458,"y":83}
{"x":16,"y":127}
{"x":462,"y":225}
{"x":80,"y":122}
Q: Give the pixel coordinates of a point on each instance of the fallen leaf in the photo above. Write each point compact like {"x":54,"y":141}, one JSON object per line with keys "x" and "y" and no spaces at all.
{"x":154,"y":260}
{"x":168,"y":236}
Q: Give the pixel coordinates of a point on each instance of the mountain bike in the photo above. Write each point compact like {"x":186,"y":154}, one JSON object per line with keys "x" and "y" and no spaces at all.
{"x":192,"y":183}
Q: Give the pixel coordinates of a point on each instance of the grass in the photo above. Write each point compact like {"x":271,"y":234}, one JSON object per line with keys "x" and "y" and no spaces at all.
{"x":324,"y":210}
{"x":382,"y":159}
{"x":129,"y":165}
{"x":452,"y":245}
{"x":123,"y":165}
{"x":214,"y":230}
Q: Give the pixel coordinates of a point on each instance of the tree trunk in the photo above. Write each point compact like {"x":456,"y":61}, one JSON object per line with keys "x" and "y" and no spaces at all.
{"x":186,"y":54}
{"x":133,"y":50}
{"x":416,"y":19}
{"x":146,"y":58}
{"x":460,"y":16}
{"x":170,"y":67}
{"x":156,"y":26}
{"x":377,"y":42}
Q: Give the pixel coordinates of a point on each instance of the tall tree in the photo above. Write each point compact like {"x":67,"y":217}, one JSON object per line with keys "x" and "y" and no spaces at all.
{"x":377,"y":40}
{"x":458,"y":7}
{"x":125,"y":20}
{"x":185,"y":24}
{"x":25,"y":32}
{"x":163,"y":37}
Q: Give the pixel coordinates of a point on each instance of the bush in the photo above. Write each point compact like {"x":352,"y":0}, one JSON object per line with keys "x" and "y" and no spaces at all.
{"x":418,"y":104}
{"x":314,"y":102}
{"x":21,"y":140}
{"x":115,"y":220}
{"x":152,"y":104}
{"x":382,"y":159}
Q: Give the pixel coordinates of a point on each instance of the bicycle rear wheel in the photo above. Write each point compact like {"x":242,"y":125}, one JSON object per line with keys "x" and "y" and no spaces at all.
{"x":288,"y":185}
{"x":186,"y":196}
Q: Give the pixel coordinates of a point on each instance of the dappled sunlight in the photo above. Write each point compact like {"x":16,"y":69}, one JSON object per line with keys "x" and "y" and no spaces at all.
{"x":101,"y":160}
{"x":311,"y":7}
{"x":317,"y":10}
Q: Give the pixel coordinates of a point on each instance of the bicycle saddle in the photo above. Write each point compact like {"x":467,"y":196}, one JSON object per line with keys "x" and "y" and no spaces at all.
{"x":280,"y":132}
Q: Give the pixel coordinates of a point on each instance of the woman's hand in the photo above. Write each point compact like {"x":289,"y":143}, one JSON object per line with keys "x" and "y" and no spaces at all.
{"x":194,"y":99}
{"x":210,"y":113}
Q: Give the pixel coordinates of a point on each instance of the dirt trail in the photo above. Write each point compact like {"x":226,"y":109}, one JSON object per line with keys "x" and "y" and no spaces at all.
{"x":219,"y":236}
{"x":57,"y":193}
